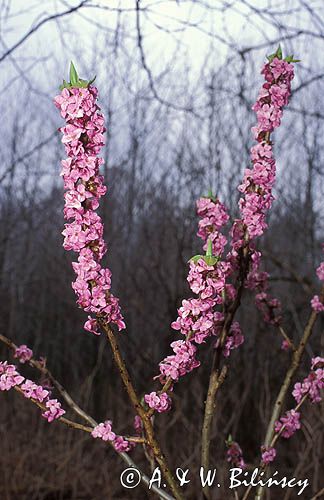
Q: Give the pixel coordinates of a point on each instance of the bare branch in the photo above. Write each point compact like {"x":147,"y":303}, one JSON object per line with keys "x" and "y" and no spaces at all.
{"x":39,"y":25}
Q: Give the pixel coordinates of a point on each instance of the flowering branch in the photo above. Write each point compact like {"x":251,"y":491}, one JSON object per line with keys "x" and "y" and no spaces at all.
{"x":145,"y":417}
{"x":25,"y":355}
{"x":215,"y":381}
{"x":41,"y":366}
{"x":217,"y":376}
{"x":290,"y":422}
{"x":295,"y":362}
{"x":294,"y":365}
{"x":83,"y":139}
{"x":254,"y":205}
{"x":217,"y":280}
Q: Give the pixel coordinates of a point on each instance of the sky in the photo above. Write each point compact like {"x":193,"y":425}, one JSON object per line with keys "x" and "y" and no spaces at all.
{"x":170,"y":27}
{"x":181,"y":39}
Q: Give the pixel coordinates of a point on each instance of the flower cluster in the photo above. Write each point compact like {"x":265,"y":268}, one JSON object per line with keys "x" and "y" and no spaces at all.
{"x":286,"y":345}
{"x":104,"y":431}
{"x":197,"y":320}
{"x":181,"y":362}
{"x":268,"y":455}
{"x":34,"y":391}
{"x":83,"y":139}
{"x":234,"y":455}
{"x":258,"y":181}
{"x":310,"y":387}
{"x":312,"y":384}
{"x":289,"y":422}
{"x":270,"y":308}
{"x":23,"y":353}
{"x":54,"y":410}
{"x":273,"y":96}
{"x":10,"y":378}
{"x":316,"y":302}
{"x":213,"y":216}
{"x":208,"y":276}
{"x":138,"y":425}
{"x":233,"y":340}
{"x":159,"y":402}
{"x":196,"y":316}
{"x":258,"y":281}
{"x":320,"y":271}
{"x":208,"y":281}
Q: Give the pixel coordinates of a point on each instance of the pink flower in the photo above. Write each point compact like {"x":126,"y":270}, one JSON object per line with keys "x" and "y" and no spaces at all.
{"x":317,"y":362}
{"x":138,"y":424}
{"x":23,"y":353}
{"x":209,"y":275}
{"x":71,"y":133}
{"x":208,"y":281}
{"x":40,"y":394}
{"x":320,"y":271}
{"x":312,"y":384}
{"x":258,"y":181}
{"x":182,"y":362}
{"x":317,"y":304}
{"x":270,"y":308}
{"x":285,"y":345}
{"x":195,"y":315}
{"x":34,"y":391}
{"x":69,"y":104}
{"x":234,"y":339}
{"x":268,"y":455}
{"x":290,"y":423}
{"x":159,"y":402}
{"x":91,"y":326}
{"x":9,"y":376}
{"x":83,"y":233}
{"x":104,"y":431}
{"x":28,"y":388}
{"x":122,"y":445}
{"x":54,"y":411}
{"x":213,"y":216}
{"x":235,"y":455}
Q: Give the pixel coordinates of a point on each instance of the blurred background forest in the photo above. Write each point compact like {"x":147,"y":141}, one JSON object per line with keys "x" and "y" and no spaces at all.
{"x":177,"y":80}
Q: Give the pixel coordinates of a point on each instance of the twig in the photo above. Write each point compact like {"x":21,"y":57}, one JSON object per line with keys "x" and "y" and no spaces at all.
{"x":147,"y":69}
{"x":136,"y":439}
{"x":147,"y":424}
{"x":216,"y":376}
{"x":215,"y":381}
{"x":296,"y":357}
{"x":304,"y":282}
{"x":27,"y":155}
{"x":295,"y":362}
{"x":38,"y":25}
{"x":285,"y":336}
{"x":76,"y":408}
{"x":244,"y":263}
{"x":319,"y":494}
{"x":262,"y":466}
{"x":45,"y":371}
{"x":63,"y":420}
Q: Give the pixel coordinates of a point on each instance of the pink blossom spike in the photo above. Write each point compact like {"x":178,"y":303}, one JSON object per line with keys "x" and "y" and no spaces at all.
{"x":83,"y":138}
